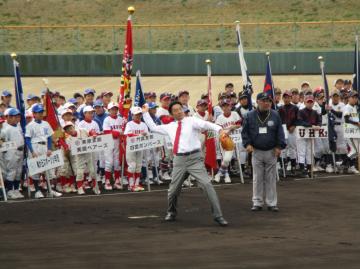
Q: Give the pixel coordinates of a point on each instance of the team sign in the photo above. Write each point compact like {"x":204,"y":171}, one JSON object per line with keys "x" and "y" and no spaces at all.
{"x":43,"y":163}
{"x":304,"y":132}
{"x":92,"y":144}
{"x":143,"y":142}
{"x":351,"y":131}
{"x":8,"y":146}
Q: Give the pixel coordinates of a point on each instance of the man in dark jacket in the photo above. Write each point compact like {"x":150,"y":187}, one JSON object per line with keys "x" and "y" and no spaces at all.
{"x":263,"y":135}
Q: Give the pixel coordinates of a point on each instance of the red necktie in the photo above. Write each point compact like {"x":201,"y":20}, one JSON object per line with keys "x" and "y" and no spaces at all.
{"x":177,"y":138}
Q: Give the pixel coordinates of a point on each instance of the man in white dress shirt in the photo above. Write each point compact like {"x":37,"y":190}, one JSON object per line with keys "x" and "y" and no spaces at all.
{"x":188,"y":159}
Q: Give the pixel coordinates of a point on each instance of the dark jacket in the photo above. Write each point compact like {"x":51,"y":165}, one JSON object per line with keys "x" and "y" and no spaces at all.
{"x":308,"y":118}
{"x":288,"y":115}
{"x":274,"y":136}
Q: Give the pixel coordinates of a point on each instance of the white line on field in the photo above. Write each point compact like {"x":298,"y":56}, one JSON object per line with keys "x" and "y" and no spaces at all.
{"x":146,"y":192}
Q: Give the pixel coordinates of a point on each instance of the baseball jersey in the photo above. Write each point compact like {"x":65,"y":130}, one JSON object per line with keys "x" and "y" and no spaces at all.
{"x":111,"y":124}
{"x":38,"y":131}
{"x":351,"y":111}
{"x":203,"y":117}
{"x":162,"y":112}
{"x":134,"y":128}
{"x":232,"y":119}
{"x":338,"y":108}
{"x":89,"y":126}
{"x":13,"y":133}
{"x":217,"y":111}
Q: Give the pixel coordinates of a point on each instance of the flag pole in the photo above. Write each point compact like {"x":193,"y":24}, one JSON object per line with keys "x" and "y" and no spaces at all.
{"x":357,"y":63}
{"x":273,"y":94}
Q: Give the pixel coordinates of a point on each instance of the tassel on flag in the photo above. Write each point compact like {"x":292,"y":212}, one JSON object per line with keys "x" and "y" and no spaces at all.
{"x":210,"y":156}
{"x":269,"y":85}
{"x":247,"y":85}
{"x":127,"y":62}
{"x":356,"y":81}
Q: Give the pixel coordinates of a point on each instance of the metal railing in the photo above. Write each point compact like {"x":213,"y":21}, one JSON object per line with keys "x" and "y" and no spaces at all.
{"x":274,"y":36}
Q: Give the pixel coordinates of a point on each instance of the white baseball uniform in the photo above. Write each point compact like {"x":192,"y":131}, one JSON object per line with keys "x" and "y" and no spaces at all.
{"x":353,"y":143}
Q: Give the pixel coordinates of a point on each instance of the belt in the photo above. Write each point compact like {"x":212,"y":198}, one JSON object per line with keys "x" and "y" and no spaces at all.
{"x":337,"y":123}
{"x":188,"y":153}
{"x":41,"y":143}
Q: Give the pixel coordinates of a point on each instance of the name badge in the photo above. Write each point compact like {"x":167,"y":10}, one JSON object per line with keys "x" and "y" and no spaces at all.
{"x":262,"y":130}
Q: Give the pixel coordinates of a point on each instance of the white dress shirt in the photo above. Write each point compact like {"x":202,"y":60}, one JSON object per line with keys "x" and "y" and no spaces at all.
{"x":191,"y":127}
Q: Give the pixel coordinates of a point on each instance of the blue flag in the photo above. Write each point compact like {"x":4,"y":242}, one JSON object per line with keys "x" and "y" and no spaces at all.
{"x":20,"y":104}
{"x":269,"y":85}
{"x":139,"y":93}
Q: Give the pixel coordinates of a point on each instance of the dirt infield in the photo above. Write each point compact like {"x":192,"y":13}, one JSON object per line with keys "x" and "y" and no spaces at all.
{"x":317,"y":227}
{"x":196,"y":85}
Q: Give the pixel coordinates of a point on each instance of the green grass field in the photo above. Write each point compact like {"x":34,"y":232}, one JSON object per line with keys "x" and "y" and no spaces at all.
{"x":154,"y":12}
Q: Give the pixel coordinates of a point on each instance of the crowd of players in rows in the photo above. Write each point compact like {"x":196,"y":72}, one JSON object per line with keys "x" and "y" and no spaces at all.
{"x":89,"y":115}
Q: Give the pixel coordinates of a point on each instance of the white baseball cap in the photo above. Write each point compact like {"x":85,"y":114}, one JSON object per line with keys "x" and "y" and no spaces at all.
{"x":68,"y":105}
{"x":88,"y":109}
{"x":66,"y":111}
{"x":111,"y":105}
{"x":68,"y":123}
{"x":136,"y":110}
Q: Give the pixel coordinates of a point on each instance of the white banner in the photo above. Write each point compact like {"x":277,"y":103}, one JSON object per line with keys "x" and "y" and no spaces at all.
{"x":351,"y":131}
{"x":304,"y":132}
{"x":8,"y":146}
{"x":92,"y":144}
{"x":150,"y":141}
{"x":43,"y":163}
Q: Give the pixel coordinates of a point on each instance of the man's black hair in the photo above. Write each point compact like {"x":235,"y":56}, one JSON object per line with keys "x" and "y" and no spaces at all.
{"x":172,"y":104}
{"x":76,"y":95}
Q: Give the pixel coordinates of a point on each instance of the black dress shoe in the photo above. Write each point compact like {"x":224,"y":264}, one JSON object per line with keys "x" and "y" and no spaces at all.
{"x":221,"y":221}
{"x":273,"y":208}
{"x":256,"y":208}
{"x":170,"y":217}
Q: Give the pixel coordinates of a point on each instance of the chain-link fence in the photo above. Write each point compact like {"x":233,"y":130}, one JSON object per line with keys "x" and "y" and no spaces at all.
{"x":281,"y":36}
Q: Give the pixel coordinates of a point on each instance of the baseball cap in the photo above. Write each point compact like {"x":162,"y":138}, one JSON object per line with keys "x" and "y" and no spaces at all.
{"x":152,"y":105}
{"x":182,"y":92}
{"x":242,"y":95}
{"x":151,"y":94}
{"x":305,"y":83}
{"x":225,"y":102}
{"x":65,"y":111}
{"x":277,"y":91}
{"x":88,"y":109}
{"x":89,"y":91}
{"x":201,"y":102}
{"x":338,"y":80}
{"x":112,"y":105}
{"x":262,"y":96}
{"x":204,"y":96}
{"x":353,"y":94}
{"x":98,"y":103}
{"x":37,"y":108}
{"x":309,"y":98}
{"x":43,"y":92}
{"x":335,"y":92}
{"x":68,"y":105}
{"x":6,"y":93}
{"x":6,"y":112}
{"x":288,"y":93}
{"x":136,"y":110}
{"x":13,"y":112}
{"x":347,"y":82}
{"x":107,"y":93}
{"x":164,"y":95}
{"x":72,"y":100}
{"x":68,"y":123}
{"x":229,"y":84}
{"x":294,"y":91}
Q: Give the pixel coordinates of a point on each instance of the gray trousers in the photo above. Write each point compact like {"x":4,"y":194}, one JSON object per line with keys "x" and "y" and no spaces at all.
{"x":193,"y":165}
{"x":264,"y":171}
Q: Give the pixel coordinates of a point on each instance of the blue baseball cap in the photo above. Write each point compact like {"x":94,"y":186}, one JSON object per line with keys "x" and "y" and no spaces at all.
{"x":30,"y":96}
{"x":6,"y":93}
{"x":263,"y":96}
{"x":152,"y":105}
{"x":98,"y":103}
{"x":89,"y":91}
{"x":72,"y":100}
{"x":13,"y":112}
{"x":38,"y":108}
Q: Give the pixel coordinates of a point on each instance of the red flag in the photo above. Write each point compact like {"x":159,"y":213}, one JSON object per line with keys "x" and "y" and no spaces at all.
{"x":210,"y":156}
{"x":51,"y":115}
{"x":125,"y":88}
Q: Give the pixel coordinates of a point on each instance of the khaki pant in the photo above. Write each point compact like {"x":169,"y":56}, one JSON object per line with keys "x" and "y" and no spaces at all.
{"x":264,"y":171}
{"x":194,"y":165}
